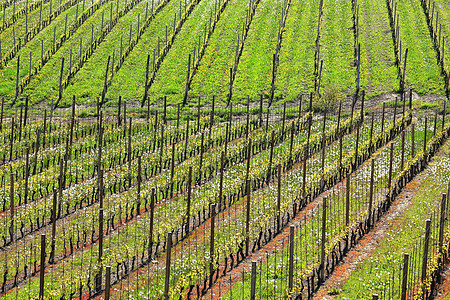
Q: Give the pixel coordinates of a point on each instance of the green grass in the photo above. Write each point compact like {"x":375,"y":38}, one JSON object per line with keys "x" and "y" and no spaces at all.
{"x":254,"y":73}
{"x":336,"y":46}
{"x":213,"y":75}
{"x":44,"y":86}
{"x":296,"y":63}
{"x":378,"y":73}
{"x":132,"y":73}
{"x":171,"y":77}
{"x":88,"y":83}
{"x":443,"y":7}
{"x":8,"y":74}
{"x":422,"y":71}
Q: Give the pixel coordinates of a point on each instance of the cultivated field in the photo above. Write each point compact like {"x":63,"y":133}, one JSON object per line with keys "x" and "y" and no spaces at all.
{"x":224,"y":149}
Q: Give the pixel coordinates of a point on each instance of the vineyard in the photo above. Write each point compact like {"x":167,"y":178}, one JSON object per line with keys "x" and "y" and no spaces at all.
{"x":232,"y":50}
{"x":225,"y":203}
{"x":224,"y":149}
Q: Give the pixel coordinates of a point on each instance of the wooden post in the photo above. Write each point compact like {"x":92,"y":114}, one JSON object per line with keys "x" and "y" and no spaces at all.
{"x":36,"y":152}
{"x":291,"y":145}
{"x":129,"y":144}
{"x":443,"y":115}
{"x":362,"y":105}
{"x":188,"y":75}
{"x":100,"y":250}
{"x":347,"y":200}
{"x":382,"y":118}
{"x":260,"y":110}
{"x":390,"y":166}
{"x":412,"y":140}
{"x":323,"y":154}
{"x":403,"y":95}
{"x":435,"y":123}
{"x":267,"y":119}
{"x":253,"y":282}
{"x":395,"y":110}
{"x":410,"y":99}
{"x":161,"y":149}
{"x":322,"y":247}
{"x":1,"y":114}
{"x":356,"y":145}
{"x":60,"y":183}
{"x":247,"y":128}
{"x":152,"y":215}
{"x":178,"y":115}
{"x":338,"y":128}
{"x":187,"y":137}
{"x":222,"y":162}
{"x":42,"y":268}
{"x":369,"y":214}
{"x":227,"y":130}
{"x":402,"y":162}
{"x":11,"y":205}
{"x":20,"y":123}
{"x":146,"y":85}
{"x":425,"y":252}
{"x":108,"y":283}
{"x":124,"y":118}
{"x":291,"y":257}
{"x":26,"y":112}
{"x":425,"y":136}
{"x":17,"y":78}
{"x":272,"y":142}
{"x":405,"y":275}
{"x":105,"y":84}
{"x":201,"y":159}
{"x":279,"y":199}
{"x":139,"y":178}
{"x":118,"y":112}
{"x":211,"y":244}
{"x":27,"y":174}
{"x":165,"y":111}
{"x":168,"y":254}
{"x":72,"y":121}
{"x":442,"y":220}
{"x":198,"y":115}
{"x":247,"y":219}
{"x":188,"y":204}
{"x":249,"y":156}
{"x":323,"y":142}
{"x":283,"y":120}
{"x":100,"y":147}
{"x":371,"y":128}
{"x":340,"y":154}
{"x":45,"y":128}
{"x":51,"y":259}
{"x":155,"y":126}
{"x":231,"y":115}
{"x":60,"y":82}
{"x":211,"y":122}
{"x":172,"y":168}
{"x":11,"y":139}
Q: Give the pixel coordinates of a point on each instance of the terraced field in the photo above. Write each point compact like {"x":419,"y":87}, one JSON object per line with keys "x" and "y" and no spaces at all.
{"x":232,"y":50}
{"x":223,"y":149}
